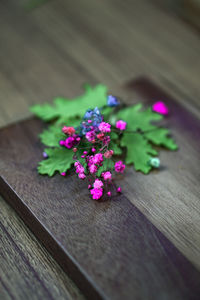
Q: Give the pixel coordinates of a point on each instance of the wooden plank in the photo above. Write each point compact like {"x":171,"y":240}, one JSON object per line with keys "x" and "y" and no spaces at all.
{"x":27,"y":269}
{"x":54,"y":49}
{"x":110,"y":248}
{"x":170,"y":197}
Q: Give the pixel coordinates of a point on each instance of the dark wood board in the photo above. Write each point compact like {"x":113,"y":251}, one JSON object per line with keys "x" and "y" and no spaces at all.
{"x":110,"y":249}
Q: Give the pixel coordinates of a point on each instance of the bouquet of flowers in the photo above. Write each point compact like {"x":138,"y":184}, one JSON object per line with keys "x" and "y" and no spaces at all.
{"x":95,"y":132}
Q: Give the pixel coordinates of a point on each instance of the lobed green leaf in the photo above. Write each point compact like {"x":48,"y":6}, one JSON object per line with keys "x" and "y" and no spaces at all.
{"x":160,"y":137}
{"x":65,"y":108}
{"x":139,"y":151}
{"x":59,"y":159}
{"x":138,"y":119}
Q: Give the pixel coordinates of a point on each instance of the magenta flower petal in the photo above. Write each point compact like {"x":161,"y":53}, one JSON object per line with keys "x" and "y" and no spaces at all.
{"x":160,"y":107}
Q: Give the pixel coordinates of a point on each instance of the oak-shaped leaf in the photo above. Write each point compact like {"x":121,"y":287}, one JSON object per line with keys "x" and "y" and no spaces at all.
{"x":138,"y":118}
{"x":161,"y":137}
{"x":139,"y":151}
{"x":66,"y":108}
{"x":59,"y":159}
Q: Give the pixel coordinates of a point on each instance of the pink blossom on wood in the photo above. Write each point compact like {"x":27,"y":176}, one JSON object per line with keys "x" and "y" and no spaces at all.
{"x":160,"y":107}
{"x":106,"y":175}
{"x":98,"y":184}
{"x":96,"y":193}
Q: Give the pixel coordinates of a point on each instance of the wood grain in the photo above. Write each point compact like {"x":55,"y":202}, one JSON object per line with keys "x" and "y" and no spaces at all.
{"x":170,"y":196}
{"x":27,"y":269}
{"x":110,"y":248}
{"x":54,"y":49}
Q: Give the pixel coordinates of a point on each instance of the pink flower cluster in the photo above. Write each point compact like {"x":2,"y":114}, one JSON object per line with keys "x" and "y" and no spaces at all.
{"x":119,"y":167}
{"x":91,"y":164}
{"x":93,"y":135}
{"x":73,"y":138}
{"x":80,"y":170}
{"x":104,"y":127}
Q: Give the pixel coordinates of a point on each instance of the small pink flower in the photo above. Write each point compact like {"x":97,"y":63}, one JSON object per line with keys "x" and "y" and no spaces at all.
{"x":108,"y":153}
{"x":100,"y":136}
{"x":90,"y":160}
{"x":160,"y":107}
{"x":62,"y":143}
{"x":106,"y":175}
{"x":89,"y":186}
{"x":119,"y":189}
{"x":119,"y":166}
{"x":109,"y":193}
{"x":79,"y":167}
{"x":90,"y":136}
{"x":69,"y":142}
{"x":98,"y":158}
{"x":98,"y":184}
{"x":96,"y":193}
{"x":121,"y":125}
{"x":81,"y":175}
{"x":93,"y":150}
{"x":93,"y":169}
{"x":63,"y":173}
{"x":68,"y":130}
{"x":104,"y":127}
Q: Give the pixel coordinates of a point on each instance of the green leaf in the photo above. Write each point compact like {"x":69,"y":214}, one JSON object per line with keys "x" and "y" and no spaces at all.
{"x":65,"y":108}
{"x":51,"y":136}
{"x":114,"y":135}
{"x":75,"y":122}
{"x":60,"y":159}
{"x":139,"y":151}
{"x":138,"y":119}
{"x":160,"y":137}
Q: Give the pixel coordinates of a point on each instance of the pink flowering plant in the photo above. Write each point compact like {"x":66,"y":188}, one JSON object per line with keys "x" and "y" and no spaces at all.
{"x":95,"y":134}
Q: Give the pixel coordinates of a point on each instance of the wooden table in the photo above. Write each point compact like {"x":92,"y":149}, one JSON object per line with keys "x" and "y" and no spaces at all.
{"x":51,"y":51}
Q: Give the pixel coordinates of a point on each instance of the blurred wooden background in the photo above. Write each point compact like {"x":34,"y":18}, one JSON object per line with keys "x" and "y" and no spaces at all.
{"x":52,"y":49}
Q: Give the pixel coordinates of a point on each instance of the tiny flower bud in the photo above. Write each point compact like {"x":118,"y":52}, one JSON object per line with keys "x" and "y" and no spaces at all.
{"x":68,"y":130}
{"x":45,"y":155}
{"x":62,"y":143}
{"x":100,"y":136}
{"x":119,"y":189}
